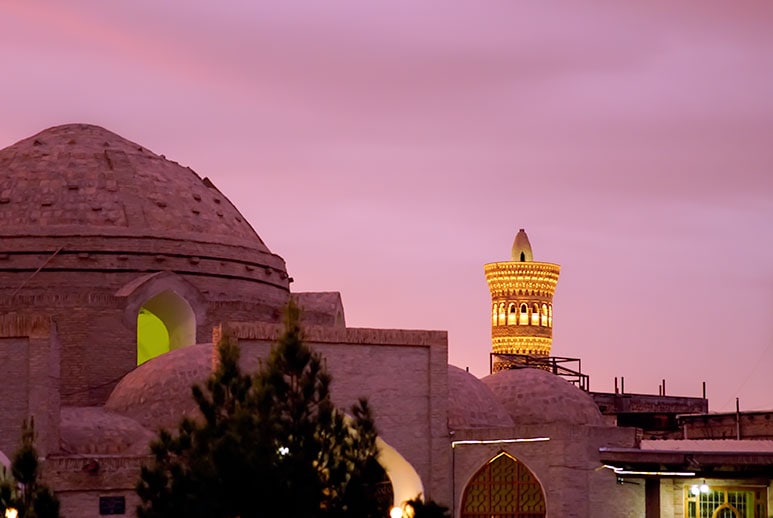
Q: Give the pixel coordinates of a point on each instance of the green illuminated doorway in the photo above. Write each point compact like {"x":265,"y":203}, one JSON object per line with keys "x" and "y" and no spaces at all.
{"x":165,"y":322}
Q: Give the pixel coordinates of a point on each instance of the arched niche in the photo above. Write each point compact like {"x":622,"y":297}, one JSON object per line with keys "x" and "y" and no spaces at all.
{"x":164,"y":310}
{"x":164,"y":322}
{"x":503,"y":488}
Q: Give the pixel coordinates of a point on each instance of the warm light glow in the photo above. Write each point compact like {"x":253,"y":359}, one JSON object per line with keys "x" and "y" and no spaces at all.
{"x":695,"y":490}
{"x":396,"y":512}
{"x":10,"y":512}
{"x":454,"y":444}
{"x":406,"y":483}
{"x":704,"y":488}
{"x":522,"y":295}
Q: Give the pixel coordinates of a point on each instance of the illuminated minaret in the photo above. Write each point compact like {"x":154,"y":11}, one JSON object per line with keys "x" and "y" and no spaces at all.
{"x":521,"y":302}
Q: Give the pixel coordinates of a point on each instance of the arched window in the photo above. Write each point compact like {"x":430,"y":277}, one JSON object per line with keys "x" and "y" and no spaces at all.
{"x":502,"y":317}
{"x":164,"y":322}
{"x":523,"y":257}
{"x":544,"y":315}
{"x":535,"y":314}
{"x":550,"y":315}
{"x":524,"y":318}
{"x":724,"y":501}
{"x":503,"y":488}
{"x":511,"y":314}
{"x":494,"y":315}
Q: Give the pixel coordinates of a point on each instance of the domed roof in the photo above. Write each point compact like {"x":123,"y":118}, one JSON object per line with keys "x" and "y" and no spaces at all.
{"x":84,"y":176}
{"x":522,"y":248}
{"x":471,"y":404}
{"x":94,"y":430}
{"x":535,"y":396}
{"x":157,"y":394}
{"x":99,"y":202}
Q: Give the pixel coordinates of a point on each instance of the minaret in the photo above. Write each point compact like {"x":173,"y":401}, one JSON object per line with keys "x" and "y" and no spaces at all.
{"x":522,"y":302}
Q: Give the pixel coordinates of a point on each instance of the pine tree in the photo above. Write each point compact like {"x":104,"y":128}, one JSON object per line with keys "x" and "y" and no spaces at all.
{"x":272,"y":444}
{"x":23,"y":490}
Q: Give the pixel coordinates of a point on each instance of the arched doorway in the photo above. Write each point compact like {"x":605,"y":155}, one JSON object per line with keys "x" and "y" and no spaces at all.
{"x":164,"y":322}
{"x":503,"y":488}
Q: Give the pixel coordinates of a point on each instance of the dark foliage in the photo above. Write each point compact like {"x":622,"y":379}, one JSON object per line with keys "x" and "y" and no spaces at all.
{"x":420,"y":509}
{"x":21,"y":488}
{"x":269,"y":445}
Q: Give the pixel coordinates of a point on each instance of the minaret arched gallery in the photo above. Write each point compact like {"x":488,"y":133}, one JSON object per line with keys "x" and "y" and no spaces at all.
{"x":521,"y":302}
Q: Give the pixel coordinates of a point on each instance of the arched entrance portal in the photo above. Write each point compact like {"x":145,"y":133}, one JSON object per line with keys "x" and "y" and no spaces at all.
{"x":503,"y":488}
{"x":164,"y":322}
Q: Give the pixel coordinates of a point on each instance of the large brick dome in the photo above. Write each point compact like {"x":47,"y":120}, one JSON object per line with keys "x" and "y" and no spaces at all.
{"x":111,"y":205}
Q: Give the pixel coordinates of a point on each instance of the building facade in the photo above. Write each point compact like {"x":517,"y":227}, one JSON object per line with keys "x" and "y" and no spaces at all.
{"x":119,"y":269}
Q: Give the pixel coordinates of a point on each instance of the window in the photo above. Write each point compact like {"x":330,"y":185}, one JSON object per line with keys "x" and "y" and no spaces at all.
{"x":535,"y":315}
{"x":524,"y":318}
{"x":503,"y":488}
{"x":511,"y":314}
{"x":725,"y":501}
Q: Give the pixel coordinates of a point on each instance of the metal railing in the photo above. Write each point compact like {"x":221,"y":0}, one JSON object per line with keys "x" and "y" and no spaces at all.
{"x":557,"y":365}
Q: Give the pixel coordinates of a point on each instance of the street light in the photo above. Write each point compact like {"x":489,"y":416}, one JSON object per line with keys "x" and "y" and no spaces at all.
{"x":10,"y":512}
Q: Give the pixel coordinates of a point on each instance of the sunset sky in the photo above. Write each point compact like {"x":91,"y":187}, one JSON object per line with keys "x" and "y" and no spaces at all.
{"x":387,"y":150}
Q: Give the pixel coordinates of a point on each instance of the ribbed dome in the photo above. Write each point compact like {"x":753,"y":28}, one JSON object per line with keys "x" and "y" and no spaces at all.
{"x":535,"y":396}
{"x":471,"y":404}
{"x":157,"y":394}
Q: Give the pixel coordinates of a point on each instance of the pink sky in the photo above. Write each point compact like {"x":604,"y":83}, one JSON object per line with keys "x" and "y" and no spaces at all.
{"x":389,"y":151}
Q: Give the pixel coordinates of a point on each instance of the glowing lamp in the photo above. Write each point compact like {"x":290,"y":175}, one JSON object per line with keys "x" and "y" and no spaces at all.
{"x":396,"y":512}
{"x":10,"y":512}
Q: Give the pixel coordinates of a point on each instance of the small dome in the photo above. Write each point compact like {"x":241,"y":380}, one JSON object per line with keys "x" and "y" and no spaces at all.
{"x":471,"y":404}
{"x":535,"y":396}
{"x":157,"y":394}
{"x":522,"y":248}
{"x":94,"y":430}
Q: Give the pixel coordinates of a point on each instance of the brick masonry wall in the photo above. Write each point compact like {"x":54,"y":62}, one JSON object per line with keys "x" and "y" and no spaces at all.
{"x":566,"y":466}
{"x":404,"y":375}
{"x":80,"y":482}
{"x":14,"y":391}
